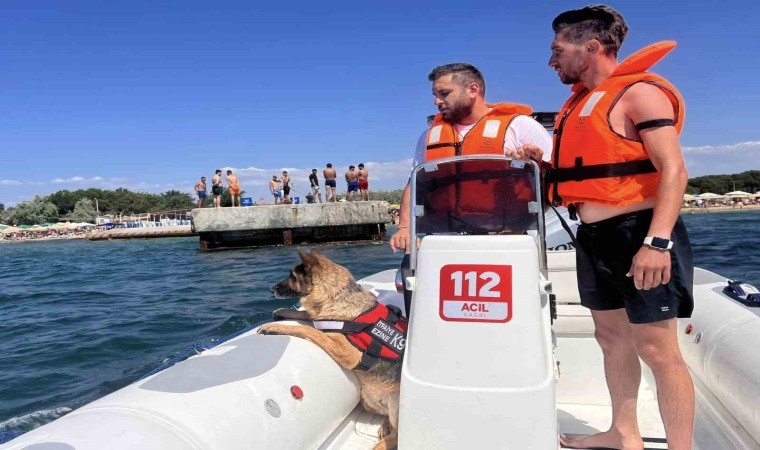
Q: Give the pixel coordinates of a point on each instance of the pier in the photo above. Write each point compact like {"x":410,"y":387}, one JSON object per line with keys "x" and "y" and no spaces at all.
{"x":141,"y":233}
{"x":315,"y":223}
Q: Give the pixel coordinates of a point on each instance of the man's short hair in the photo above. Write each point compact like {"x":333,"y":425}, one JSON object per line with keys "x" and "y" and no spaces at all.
{"x":329,"y":165}
{"x":218,"y":171}
{"x":361,"y":165}
{"x":284,"y":172}
{"x":351,"y":167}
{"x":599,"y":22}
{"x":462,"y":73}
{"x":313,"y":170}
{"x":229,"y":172}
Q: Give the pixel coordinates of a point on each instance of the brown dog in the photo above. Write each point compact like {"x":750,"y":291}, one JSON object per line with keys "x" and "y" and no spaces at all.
{"x":329,"y":292}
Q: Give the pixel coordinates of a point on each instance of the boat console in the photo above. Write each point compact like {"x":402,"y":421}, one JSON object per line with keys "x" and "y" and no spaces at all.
{"x":479,"y":364}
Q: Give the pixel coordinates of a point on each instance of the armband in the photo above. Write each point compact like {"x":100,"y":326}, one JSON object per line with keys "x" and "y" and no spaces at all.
{"x":656,"y":123}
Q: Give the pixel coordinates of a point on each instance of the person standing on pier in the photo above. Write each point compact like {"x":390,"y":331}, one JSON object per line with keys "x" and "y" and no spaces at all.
{"x":200,"y":191}
{"x":314,"y":182}
{"x":285,"y":187}
{"x":330,"y":176}
{"x":353,"y":183}
{"x":363,"y":182}
{"x":217,"y":189}
{"x":274,"y":189}
{"x":235,"y":190}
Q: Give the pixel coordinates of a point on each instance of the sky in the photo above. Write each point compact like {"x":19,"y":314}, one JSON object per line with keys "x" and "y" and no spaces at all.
{"x":151,"y":95}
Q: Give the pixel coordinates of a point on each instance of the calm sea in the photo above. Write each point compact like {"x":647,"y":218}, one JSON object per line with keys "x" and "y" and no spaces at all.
{"x":82,"y":319}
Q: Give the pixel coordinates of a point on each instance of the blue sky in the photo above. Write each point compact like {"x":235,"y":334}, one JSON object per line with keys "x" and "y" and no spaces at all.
{"x":152,"y":95}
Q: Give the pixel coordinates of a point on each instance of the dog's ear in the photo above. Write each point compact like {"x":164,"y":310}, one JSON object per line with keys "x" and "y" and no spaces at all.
{"x":308,"y":259}
{"x":317,"y":253}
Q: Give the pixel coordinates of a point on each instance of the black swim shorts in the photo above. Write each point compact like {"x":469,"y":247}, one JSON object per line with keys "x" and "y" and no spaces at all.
{"x":217,"y":190}
{"x":606,"y":250}
{"x":286,"y":189}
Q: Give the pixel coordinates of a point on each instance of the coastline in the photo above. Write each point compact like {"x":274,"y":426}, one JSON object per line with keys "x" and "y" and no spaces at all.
{"x":720,"y":209}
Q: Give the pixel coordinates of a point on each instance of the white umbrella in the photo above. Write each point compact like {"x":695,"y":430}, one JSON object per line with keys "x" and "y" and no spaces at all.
{"x":709,"y":195}
{"x":738,"y":194}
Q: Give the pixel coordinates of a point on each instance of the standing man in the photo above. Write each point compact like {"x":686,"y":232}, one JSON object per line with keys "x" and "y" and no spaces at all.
{"x":363,"y":182}
{"x":330,"y":176}
{"x":217,"y":189}
{"x":200,"y":191}
{"x":285,"y":186}
{"x":235,"y":190}
{"x":274,"y":188}
{"x":459,"y":94}
{"x":618,"y":163}
{"x":353,"y":183}
{"x":314,"y":182}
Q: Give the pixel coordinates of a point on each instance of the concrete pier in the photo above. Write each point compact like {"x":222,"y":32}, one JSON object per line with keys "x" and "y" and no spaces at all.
{"x":141,"y":233}
{"x":315,"y":223}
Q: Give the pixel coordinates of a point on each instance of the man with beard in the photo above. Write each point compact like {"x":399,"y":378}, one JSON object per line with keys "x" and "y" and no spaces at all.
{"x":618,"y":163}
{"x":459,"y":94}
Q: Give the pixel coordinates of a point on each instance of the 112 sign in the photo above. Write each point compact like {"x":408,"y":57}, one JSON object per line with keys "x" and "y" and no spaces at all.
{"x":476,"y":293}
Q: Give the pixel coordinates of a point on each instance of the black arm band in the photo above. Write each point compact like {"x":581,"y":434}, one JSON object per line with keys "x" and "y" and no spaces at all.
{"x":656,"y":123}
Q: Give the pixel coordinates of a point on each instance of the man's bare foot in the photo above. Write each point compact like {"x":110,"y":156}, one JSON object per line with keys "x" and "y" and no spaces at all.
{"x":607,"y":440}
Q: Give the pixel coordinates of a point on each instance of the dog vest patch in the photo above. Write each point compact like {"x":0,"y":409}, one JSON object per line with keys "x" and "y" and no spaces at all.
{"x":389,"y":335}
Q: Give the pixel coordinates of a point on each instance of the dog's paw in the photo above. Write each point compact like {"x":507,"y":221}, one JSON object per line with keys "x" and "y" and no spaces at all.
{"x":280,"y":313}
{"x":273,"y":328}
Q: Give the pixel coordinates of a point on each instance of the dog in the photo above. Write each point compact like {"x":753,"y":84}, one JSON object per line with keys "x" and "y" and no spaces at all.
{"x":328,"y":292}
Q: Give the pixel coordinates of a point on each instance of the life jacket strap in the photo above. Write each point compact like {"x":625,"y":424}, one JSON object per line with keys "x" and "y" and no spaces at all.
{"x":580,"y":172}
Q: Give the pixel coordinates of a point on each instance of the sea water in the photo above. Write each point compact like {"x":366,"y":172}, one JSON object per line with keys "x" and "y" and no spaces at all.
{"x":81,"y":319}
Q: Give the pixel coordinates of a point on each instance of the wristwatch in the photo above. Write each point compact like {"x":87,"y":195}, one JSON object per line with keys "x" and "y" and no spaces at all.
{"x":658,"y":242}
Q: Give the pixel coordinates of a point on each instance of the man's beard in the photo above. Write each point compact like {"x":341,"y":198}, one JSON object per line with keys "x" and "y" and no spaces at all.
{"x":572,"y":75}
{"x":458,"y":112}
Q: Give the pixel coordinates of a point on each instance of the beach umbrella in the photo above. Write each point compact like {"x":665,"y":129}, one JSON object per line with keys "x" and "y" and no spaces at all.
{"x":394,"y":206}
{"x":738,"y":194}
{"x":709,"y":195}
{"x":689,"y":197}
{"x":2,"y":227}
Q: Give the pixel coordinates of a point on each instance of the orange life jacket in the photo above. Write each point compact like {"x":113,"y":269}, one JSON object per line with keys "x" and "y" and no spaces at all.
{"x":593,"y":163}
{"x":474,"y":191}
{"x":486,"y":137}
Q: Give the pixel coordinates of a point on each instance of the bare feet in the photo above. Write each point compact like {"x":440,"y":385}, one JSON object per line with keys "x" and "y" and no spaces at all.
{"x":607,"y":440}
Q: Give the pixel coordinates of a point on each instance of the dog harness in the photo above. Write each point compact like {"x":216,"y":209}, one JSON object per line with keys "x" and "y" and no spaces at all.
{"x":379,"y":333}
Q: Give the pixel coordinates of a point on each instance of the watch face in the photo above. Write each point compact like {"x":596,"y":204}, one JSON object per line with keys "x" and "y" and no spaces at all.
{"x":659,"y":242}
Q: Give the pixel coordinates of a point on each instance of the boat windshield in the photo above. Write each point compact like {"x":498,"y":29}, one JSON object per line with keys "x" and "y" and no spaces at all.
{"x":491,"y":195}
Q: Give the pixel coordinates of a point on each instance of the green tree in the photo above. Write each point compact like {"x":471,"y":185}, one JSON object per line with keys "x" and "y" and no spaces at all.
{"x":84,"y":211}
{"x":720,"y":184}
{"x":2,"y":207}
{"x":391,"y":197}
{"x":8,"y":216}
{"x":175,"y":200}
{"x":35,"y":211}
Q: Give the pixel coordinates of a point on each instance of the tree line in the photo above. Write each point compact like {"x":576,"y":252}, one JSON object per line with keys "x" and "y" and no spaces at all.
{"x":80,"y":205}
{"x":720,"y":184}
